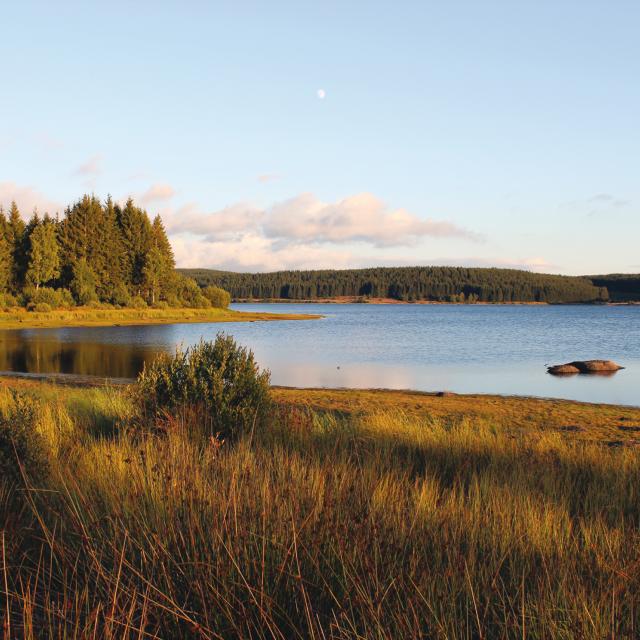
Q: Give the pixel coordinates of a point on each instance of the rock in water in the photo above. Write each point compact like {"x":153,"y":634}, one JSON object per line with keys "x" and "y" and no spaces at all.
{"x":585,"y":366}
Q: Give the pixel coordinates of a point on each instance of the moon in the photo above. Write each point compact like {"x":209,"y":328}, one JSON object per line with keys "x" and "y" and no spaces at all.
{"x":321,"y":93}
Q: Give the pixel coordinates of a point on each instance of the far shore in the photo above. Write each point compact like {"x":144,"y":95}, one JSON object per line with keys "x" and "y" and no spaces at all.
{"x":90,"y":317}
{"x":364,"y":300}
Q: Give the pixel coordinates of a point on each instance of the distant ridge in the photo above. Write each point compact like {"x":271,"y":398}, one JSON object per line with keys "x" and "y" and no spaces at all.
{"x":414,"y":284}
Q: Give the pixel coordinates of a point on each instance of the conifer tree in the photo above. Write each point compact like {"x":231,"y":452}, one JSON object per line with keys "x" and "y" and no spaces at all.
{"x":44,"y":258}
{"x":83,"y":283}
{"x":109,"y":260}
{"x":136,"y":238}
{"x":15,"y":235}
{"x":6,"y":258}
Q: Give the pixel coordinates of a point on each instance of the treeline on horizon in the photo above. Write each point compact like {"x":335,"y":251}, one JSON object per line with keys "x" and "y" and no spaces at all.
{"x":97,"y":253}
{"x":410,"y":284}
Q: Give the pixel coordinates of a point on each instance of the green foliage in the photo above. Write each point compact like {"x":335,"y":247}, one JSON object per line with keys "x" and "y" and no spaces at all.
{"x":138,"y":302}
{"x":56,"y":298}
{"x":189,"y":293}
{"x":218,"y":297}
{"x":15,"y":231}
{"x":83,"y":284}
{"x":43,"y":255}
{"x":40,"y":307}
{"x":7,"y":301}
{"x":20,"y":442}
{"x":438,"y":284}
{"x":220,"y":379}
{"x":121,"y":295}
{"x":622,"y":287}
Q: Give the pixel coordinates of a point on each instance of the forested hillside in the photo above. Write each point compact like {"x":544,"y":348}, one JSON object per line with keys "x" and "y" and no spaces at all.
{"x":622,"y":287}
{"x":445,"y":284}
{"x":96,"y":253}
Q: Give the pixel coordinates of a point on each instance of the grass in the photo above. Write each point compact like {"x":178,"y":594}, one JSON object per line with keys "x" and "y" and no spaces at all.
{"x":89,"y":317}
{"x":354,"y":515}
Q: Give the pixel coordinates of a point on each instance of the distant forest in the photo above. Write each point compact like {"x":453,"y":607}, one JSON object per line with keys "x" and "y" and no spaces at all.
{"x":622,"y":287}
{"x":438,"y":284}
{"x":97,"y":253}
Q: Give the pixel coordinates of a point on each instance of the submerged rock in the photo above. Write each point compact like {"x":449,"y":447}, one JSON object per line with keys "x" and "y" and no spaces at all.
{"x":584,"y":366}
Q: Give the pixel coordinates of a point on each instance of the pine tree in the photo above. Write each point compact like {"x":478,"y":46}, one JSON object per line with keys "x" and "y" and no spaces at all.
{"x":158,"y":273}
{"x":109,"y":260}
{"x":15,"y":237}
{"x":136,"y":238}
{"x":44,"y":258}
{"x":83,"y":283}
{"x":5,"y":253}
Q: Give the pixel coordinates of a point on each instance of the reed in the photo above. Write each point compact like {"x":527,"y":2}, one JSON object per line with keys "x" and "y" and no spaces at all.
{"x":324,"y":524}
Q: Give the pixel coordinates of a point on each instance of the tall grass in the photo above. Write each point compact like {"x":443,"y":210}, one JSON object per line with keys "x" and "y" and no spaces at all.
{"x":323,"y":525}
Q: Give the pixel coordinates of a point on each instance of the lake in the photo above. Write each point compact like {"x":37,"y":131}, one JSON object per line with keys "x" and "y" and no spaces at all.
{"x":467,"y":349}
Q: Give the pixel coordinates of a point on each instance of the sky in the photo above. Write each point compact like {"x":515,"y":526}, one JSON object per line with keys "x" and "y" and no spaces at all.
{"x":286,"y":135}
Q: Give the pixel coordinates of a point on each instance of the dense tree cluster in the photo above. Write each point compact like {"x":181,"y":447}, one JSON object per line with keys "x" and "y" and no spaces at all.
{"x":622,"y":287}
{"x":444,"y":284}
{"x":97,"y":252}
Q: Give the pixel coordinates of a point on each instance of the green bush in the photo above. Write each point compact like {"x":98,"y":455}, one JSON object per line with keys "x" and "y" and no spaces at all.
{"x":138,"y":302}
{"x":219,"y":381}
{"x":121,"y":295}
{"x":7,"y":301}
{"x":42,"y":307}
{"x":20,"y":442}
{"x":161,"y":304}
{"x":55,"y":298}
{"x":218,"y":297}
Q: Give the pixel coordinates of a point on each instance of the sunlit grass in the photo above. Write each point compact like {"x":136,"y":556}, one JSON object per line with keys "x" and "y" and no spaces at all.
{"x":375,"y":523}
{"x":85,"y":316}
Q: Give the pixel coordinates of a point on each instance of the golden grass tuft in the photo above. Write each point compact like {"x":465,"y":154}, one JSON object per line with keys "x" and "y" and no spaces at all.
{"x":377,"y":523}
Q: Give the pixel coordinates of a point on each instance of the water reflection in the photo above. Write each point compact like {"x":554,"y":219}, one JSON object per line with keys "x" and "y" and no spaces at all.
{"x":40,"y":354}
{"x":466,"y":349}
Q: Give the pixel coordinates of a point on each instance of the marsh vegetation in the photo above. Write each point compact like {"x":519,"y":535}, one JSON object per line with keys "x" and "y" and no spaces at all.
{"x":335,"y":515}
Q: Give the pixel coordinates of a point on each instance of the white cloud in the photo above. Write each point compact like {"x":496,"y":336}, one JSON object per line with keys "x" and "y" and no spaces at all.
{"x":157,"y":193}
{"x":269,"y":177}
{"x":252,"y":252}
{"x":300,"y":233}
{"x":91,"y":167}
{"x":361,"y":217}
{"x":27,"y":198}
{"x":307,"y":220}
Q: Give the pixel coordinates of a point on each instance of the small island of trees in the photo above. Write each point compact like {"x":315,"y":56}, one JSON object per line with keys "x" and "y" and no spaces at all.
{"x":96,"y":254}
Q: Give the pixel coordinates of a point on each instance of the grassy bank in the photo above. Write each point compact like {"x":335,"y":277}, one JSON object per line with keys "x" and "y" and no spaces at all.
{"x":352,"y":515}
{"x":89,"y":317}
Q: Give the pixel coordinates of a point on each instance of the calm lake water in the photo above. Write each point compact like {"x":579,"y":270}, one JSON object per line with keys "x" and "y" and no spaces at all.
{"x":483,"y":349}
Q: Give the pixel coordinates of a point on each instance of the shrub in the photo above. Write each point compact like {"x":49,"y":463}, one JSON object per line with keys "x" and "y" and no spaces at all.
{"x":55,"y":298}
{"x":189,"y":294}
{"x":20,"y":442}
{"x":7,"y":301}
{"x":42,"y":307}
{"x":161,"y":304}
{"x":218,"y":297}
{"x":173,"y":301}
{"x":138,"y":302}
{"x":220,"y":381}
{"x":121,"y":295}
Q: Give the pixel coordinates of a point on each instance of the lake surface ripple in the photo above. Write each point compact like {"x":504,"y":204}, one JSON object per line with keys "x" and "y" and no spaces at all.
{"x":467,"y":349}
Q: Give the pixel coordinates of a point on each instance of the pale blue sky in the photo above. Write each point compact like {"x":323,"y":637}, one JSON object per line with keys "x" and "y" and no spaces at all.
{"x":497,"y":133}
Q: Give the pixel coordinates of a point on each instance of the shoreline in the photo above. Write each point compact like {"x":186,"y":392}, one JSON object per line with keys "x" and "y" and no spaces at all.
{"x":614,"y":425}
{"x":311,"y":393}
{"x":89,"y":317}
{"x":393,"y":301}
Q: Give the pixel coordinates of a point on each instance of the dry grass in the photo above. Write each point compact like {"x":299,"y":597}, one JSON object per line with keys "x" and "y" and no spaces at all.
{"x":88,"y":317}
{"x":355,"y":515}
